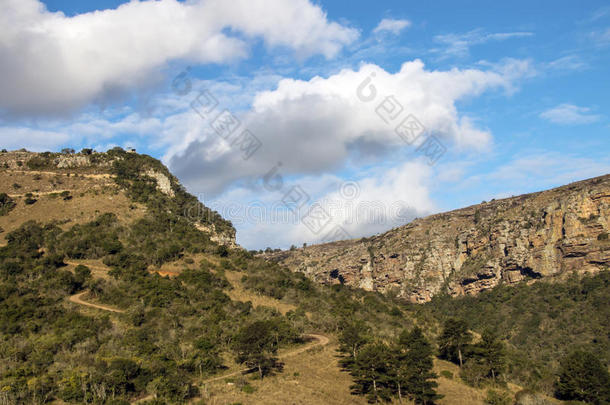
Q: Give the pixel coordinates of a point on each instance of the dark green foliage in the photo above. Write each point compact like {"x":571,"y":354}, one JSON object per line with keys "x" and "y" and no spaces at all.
{"x":29,"y":199}
{"x":498,"y":398}
{"x":539,"y":323}
{"x":486,"y":360}
{"x":372,"y":372}
{"x":94,"y":240}
{"x":454,"y":340}
{"x":583,"y":377}
{"x":256,"y":345}
{"x":6,"y":204}
{"x":352,"y":337}
{"x":412,"y":365}
{"x":42,"y":161}
{"x":381,"y":372}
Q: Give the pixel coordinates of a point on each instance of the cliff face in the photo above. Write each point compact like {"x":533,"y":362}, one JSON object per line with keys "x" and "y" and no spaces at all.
{"x":472,"y":249}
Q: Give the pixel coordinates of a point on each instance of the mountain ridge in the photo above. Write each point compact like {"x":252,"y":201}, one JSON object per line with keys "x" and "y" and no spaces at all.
{"x":472,"y":249}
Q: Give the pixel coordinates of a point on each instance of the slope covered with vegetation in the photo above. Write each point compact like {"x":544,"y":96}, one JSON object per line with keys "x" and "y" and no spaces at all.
{"x":168,"y":336}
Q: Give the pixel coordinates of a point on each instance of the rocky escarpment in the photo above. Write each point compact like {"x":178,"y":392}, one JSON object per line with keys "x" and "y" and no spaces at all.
{"x":469,"y":250}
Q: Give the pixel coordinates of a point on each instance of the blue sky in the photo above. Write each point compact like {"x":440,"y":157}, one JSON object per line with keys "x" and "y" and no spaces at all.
{"x":515,"y":92}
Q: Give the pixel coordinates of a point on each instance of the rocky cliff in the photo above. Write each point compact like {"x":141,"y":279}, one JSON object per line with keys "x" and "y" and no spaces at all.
{"x":469,"y":250}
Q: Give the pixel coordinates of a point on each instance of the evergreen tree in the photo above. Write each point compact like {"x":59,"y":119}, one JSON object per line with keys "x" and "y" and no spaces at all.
{"x":371,"y":371}
{"x":486,"y":360}
{"x":490,"y":352}
{"x":454,"y":341}
{"x":353,"y":336}
{"x":415,"y":367}
{"x":255,"y":346}
{"x":583,"y":377}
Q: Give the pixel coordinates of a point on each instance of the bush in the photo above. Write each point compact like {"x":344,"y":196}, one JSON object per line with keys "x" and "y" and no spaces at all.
{"x":583,"y":378}
{"x":447,"y":374}
{"x":29,"y":199}
{"x":602,"y":236}
{"x":6,"y":204}
{"x":497,"y":398}
{"x":527,"y":397}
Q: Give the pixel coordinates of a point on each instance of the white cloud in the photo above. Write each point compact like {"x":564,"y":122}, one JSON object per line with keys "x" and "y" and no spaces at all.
{"x":569,"y":114}
{"x":32,"y":139}
{"x":392,"y":26}
{"x":51,"y":63}
{"x":374,"y":202}
{"x":319,"y":125}
{"x":458,"y":45}
{"x":570,"y":62}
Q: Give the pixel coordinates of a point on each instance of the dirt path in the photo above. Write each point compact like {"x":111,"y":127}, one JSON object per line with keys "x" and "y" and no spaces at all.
{"x":38,"y":193}
{"x":88,"y":175}
{"x":76,"y":298}
{"x":321,"y":340}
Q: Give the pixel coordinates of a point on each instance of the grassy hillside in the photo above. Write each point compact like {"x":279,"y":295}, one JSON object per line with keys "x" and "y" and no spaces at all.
{"x":111,"y":294}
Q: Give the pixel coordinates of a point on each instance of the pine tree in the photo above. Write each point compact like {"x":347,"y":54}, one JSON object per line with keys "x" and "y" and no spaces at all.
{"x":454,"y":341}
{"x":352,"y":338}
{"x":491,"y":354}
{"x":256,"y":347}
{"x":415,"y":367}
{"x":583,"y":377}
{"x":371,"y":371}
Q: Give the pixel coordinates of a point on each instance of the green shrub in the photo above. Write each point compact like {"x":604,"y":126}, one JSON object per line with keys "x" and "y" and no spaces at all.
{"x":6,"y":204}
{"x":497,"y":398}
{"x":29,"y":199}
{"x":447,"y":374}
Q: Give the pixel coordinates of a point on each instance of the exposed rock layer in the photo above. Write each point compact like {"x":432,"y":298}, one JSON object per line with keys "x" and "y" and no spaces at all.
{"x":473,"y":249}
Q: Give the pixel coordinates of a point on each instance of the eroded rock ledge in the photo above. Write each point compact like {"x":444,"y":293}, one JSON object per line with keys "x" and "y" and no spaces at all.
{"x":539,"y":235}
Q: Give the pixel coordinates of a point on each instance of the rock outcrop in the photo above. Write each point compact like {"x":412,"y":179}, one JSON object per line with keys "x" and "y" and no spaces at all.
{"x":101,"y":165}
{"x":539,"y":235}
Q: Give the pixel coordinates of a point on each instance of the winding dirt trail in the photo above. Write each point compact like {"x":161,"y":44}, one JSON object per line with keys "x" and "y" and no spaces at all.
{"x":76,"y":298}
{"x":321,"y":340}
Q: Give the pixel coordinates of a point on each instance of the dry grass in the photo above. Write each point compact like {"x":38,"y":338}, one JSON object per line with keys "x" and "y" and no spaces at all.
{"x":315,"y":378}
{"x":318,"y":380}
{"x":239,"y":293}
{"x":98,"y":269}
{"x":91,"y":197}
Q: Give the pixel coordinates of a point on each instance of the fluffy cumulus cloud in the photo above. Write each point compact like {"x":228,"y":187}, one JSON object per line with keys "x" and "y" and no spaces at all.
{"x":369,"y":203}
{"x":391,"y":25}
{"x":52,"y":63}
{"x":319,"y":125}
{"x":569,"y":114}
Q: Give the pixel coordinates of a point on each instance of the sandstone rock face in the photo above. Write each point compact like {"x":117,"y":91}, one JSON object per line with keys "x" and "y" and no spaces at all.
{"x":226,"y":238}
{"x":72,"y":161}
{"x":163,"y":182}
{"x":473,"y":249}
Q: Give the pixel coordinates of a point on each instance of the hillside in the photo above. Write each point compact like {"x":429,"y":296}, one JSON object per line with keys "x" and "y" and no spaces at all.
{"x":466,"y":251}
{"x":118,"y":287}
